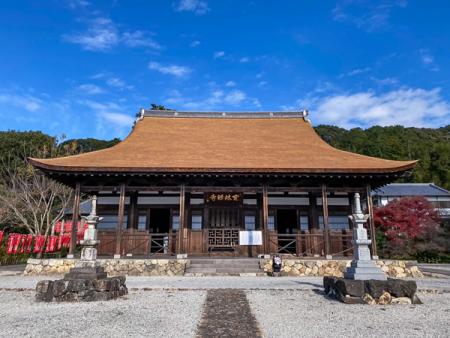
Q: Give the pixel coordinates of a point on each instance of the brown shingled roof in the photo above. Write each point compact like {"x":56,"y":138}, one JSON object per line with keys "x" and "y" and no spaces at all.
{"x":196,"y":142}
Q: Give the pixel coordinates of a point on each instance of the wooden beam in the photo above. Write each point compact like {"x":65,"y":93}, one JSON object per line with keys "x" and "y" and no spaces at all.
{"x":120,"y":219}
{"x":215,"y":188}
{"x":373,"y":236}
{"x":75,"y":213}
{"x":265,"y":207}
{"x":326,"y":228}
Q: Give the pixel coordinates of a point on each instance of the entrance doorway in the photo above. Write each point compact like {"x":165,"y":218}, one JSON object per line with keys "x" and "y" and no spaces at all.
{"x":159,"y":226}
{"x":159,"y":221}
{"x":286,"y":227}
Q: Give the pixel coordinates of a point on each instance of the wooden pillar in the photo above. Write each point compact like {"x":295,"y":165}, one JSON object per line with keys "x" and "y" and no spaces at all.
{"x":132,"y":211}
{"x":75,"y":214}
{"x":120,"y":219}
{"x":326,"y":228}
{"x":312,"y":214}
{"x":372,"y":231}
{"x":182,"y":230}
{"x":265,"y":213}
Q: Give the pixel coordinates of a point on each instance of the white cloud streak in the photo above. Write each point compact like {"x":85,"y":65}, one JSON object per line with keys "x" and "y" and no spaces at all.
{"x":25,"y":101}
{"x":198,"y":7}
{"x":103,"y":35}
{"x":175,"y":70}
{"x":406,"y":106}
{"x":90,"y":89}
{"x":217,"y":99}
{"x":219,"y":54}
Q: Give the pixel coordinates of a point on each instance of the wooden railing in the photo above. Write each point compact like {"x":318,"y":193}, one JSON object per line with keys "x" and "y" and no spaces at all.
{"x":310,"y":244}
{"x":137,"y":243}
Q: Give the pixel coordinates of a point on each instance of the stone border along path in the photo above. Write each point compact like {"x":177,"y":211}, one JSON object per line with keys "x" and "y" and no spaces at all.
{"x":227,"y":313}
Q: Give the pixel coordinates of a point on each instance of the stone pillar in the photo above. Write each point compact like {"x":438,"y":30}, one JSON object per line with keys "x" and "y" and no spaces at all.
{"x":75,"y":213}
{"x":362,"y":266}
{"x":120,"y":219}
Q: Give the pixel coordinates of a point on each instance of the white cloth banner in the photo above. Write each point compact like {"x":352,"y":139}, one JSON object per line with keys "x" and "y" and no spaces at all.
{"x":250,"y":237}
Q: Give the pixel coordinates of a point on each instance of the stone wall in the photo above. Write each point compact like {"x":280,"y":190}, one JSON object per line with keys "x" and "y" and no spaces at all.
{"x":114,"y":267}
{"x":336,"y":268}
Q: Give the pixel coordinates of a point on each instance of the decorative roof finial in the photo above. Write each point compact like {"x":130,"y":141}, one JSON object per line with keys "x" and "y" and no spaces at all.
{"x":139,"y":116}
{"x":305,"y":113}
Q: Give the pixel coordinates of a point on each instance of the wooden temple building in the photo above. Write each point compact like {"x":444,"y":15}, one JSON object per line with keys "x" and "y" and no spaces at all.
{"x":224,"y":183}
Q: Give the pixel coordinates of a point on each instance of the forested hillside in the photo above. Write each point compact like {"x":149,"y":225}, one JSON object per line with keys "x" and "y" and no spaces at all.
{"x":430,"y":146}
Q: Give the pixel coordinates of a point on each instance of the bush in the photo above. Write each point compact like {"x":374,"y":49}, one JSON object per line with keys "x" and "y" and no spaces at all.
{"x":6,"y":259}
{"x":432,"y":257}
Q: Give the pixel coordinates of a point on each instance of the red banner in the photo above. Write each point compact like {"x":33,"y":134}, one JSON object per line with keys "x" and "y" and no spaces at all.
{"x":39,"y":242}
{"x":51,"y":244}
{"x":11,"y":243}
{"x":29,"y":242}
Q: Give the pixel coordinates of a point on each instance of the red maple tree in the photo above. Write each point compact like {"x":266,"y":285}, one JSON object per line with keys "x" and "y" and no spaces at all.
{"x":405,"y":220}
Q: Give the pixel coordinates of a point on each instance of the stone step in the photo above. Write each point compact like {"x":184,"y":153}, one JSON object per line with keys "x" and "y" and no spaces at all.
{"x":244,"y":274}
{"x":223,"y":270}
{"x":224,"y":261}
{"x":224,"y":267}
{"x":243,"y":266}
{"x":205,"y":270}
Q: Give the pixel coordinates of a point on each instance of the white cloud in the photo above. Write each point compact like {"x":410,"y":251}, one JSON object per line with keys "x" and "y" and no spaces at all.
{"x":119,"y":119}
{"x":139,"y":39}
{"x":22,"y":101}
{"x":194,"y":43}
{"x":244,"y":59}
{"x":376,"y":16}
{"x":198,"y":7}
{"x":74,"y":4}
{"x":406,"y":106}
{"x":115,"y":82}
{"x":262,"y":84}
{"x":385,"y":81}
{"x":428,"y":60}
{"x":355,"y":71}
{"x":90,"y":88}
{"x":175,"y":70}
{"x":230,"y":84}
{"x":235,"y":97}
{"x":219,"y":54}
{"x":217,"y":99}
{"x":102,"y":35}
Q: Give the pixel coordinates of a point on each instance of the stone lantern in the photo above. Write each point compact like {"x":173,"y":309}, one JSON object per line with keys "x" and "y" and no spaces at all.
{"x":362,"y":266}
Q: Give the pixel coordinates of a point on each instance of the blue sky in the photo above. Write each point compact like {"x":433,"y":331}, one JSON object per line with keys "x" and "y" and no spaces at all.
{"x":84,"y":68}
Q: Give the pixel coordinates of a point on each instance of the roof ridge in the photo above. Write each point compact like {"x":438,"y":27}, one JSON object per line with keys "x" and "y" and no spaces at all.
{"x":223,"y":114}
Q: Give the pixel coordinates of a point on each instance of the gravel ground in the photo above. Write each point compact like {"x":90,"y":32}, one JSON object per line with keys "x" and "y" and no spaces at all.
{"x":309,"y":314}
{"x":141,"y":314}
{"x":222,"y":282}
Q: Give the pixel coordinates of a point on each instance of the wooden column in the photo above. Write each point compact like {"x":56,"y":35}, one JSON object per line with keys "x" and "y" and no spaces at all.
{"x":372,"y":231}
{"x":75,"y":214}
{"x":182,"y":230}
{"x":120,"y":219}
{"x":265,"y":213}
{"x":312,"y":214}
{"x":326,"y":228}
{"x":132,"y":211}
